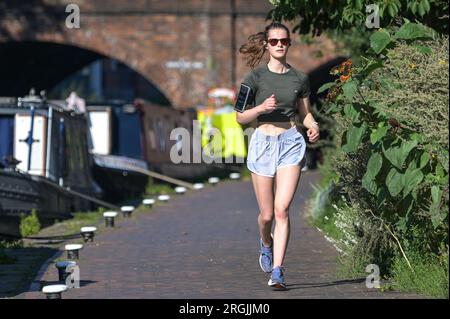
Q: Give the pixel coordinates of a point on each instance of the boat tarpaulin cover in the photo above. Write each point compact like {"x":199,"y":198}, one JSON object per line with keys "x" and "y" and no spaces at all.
{"x":6,"y":138}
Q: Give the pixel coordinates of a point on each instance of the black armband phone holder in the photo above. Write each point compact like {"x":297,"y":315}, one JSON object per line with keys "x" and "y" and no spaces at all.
{"x":244,"y":98}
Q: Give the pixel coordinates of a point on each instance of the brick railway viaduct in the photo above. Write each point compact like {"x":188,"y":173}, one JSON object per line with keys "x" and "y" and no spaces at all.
{"x":183,"y":47}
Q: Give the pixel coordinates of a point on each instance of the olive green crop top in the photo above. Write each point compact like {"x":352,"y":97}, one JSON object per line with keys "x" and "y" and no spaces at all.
{"x":287,"y":87}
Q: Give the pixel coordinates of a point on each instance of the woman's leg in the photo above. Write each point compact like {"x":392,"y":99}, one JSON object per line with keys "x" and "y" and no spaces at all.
{"x":263,"y":186}
{"x":287,"y":179}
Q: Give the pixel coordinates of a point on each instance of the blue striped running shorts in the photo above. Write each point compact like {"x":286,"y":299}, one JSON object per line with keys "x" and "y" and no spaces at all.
{"x":266,"y":153}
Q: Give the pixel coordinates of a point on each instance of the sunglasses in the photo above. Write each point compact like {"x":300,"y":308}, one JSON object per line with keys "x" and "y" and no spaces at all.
{"x":284,"y":41}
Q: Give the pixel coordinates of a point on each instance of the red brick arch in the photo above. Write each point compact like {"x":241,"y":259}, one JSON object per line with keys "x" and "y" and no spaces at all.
{"x":148,"y":35}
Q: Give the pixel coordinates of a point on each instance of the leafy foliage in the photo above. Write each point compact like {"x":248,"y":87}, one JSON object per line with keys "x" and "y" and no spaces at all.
{"x":318,"y":16}
{"x":390,"y":105}
{"x":29,"y":225}
{"x":399,"y":114}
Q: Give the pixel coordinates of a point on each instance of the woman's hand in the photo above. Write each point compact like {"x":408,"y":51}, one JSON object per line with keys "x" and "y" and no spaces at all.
{"x":268,"y":105}
{"x":313,"y":134}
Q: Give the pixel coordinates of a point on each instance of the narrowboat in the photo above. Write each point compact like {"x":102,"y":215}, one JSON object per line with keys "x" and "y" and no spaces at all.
{"x":171,"y":145}
{"x":117,"y":149}
{"x":43,"y":155}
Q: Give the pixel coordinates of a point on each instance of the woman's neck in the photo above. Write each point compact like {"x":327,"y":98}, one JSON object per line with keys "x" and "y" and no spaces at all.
{"x":278,"y":66}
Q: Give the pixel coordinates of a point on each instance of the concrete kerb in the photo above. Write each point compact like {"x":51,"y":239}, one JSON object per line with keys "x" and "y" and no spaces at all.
{"x":36,"y":283}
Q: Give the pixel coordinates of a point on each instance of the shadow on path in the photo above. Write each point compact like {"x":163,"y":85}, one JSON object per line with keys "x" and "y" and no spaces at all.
{"x":326,"y":284}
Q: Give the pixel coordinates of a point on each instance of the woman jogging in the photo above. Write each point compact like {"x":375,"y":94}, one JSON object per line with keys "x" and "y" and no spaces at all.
{"x":277,"y":147}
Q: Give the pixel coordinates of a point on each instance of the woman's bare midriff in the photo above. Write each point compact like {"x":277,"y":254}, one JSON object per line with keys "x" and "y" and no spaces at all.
{"x":275,"y":128}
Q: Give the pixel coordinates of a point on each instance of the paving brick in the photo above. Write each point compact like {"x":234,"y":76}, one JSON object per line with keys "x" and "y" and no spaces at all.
{"x":197,"y":246}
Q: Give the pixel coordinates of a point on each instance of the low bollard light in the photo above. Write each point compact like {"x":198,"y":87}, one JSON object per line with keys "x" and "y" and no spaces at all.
{"x":180,"y":190}
{"x":73,"y":251}
{"x":198,"y":186}
{"x":163,"y":198}
{"x":88,"y":233}
{"x":109,"y":218}
{"x":62,"y":267}
{"x":213,"y":180}
{"x":148,"y":202}
{"x":127,"y":210}
{"x":235,"y":176}
{"x":54,"y":291}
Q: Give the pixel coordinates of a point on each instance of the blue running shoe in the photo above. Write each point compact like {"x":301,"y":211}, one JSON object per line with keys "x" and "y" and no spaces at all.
{"x":265,"y":257}
{"x":276,"y":280}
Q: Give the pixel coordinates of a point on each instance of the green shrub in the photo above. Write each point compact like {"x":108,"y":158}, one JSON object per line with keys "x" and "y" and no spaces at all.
{"x":392,"y":136}
{"x":392,"y":158}
{"x":429,"y":278}
{"x":29,"y":225}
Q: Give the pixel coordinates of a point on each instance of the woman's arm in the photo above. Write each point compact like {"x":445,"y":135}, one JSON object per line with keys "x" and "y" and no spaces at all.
{"x":304,"y":110}
{"x":248,"y":115}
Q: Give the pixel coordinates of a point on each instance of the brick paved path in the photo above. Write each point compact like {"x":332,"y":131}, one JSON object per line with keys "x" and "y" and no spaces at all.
{"x":205,"y":245}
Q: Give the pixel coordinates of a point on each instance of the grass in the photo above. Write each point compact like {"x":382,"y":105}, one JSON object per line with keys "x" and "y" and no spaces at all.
{"x":430,"y":277}
{"x":11,"y":244}
{"x":326,"y":223}
{"x":431,"y":273}
{"x":153,"y":188}
{"x":321,"y":213}
{"x":82,"y":219}
{"x":352,"y":266}
{"x":348,"y":265}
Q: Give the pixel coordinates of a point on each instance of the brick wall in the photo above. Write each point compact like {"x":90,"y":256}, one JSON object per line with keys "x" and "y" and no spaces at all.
{"x":156,"y":37}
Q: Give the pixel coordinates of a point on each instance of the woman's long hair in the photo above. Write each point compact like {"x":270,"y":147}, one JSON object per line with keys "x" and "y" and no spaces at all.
{"x":254,"y":49}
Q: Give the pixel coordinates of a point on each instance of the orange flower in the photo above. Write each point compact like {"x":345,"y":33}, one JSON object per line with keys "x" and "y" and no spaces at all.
{"x":344,"y":77}
{"x":347,"y":64}
{"x":344,"y":70}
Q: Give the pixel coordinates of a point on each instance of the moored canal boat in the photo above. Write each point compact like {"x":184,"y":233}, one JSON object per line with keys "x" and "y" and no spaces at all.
{"x":163,"y":147}
{"x":116,"y":146}
{"x":43,"y":152}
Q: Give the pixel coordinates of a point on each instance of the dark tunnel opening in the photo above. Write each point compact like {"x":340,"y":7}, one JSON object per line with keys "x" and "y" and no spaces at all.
{"x":59,"y":69}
